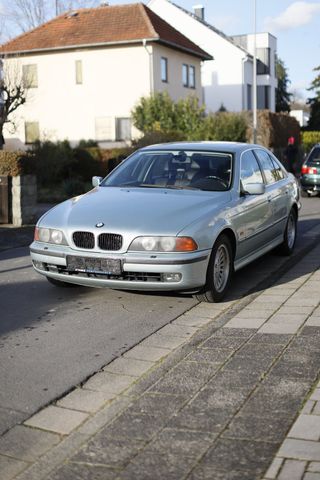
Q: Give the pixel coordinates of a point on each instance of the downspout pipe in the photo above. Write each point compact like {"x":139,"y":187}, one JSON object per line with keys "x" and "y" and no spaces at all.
{"x":150,"y":54}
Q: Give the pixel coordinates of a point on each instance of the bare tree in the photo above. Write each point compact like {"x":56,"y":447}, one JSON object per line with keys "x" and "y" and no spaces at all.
{"x":14,"y":92}
{"x":67,"y":5}
{"x":25,"y":15}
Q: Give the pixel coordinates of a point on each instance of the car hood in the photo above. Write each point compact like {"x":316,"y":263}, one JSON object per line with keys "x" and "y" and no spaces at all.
{"x":135,"y":210}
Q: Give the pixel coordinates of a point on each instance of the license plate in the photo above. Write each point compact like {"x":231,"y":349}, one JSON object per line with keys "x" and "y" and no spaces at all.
{"x":108,"y":266}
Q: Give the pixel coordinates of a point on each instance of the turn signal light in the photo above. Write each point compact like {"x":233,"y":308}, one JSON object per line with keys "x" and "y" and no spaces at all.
{"x":185,"y":244}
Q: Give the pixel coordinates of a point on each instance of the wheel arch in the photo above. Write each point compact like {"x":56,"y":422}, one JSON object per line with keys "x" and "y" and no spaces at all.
{"x":295,"y":208}
{"x":231,"y":235}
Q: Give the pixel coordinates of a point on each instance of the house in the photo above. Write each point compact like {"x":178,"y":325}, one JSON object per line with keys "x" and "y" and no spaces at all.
{"x":302,"y":116}
{"x":228,"y":79}
{"x":86,"y":69}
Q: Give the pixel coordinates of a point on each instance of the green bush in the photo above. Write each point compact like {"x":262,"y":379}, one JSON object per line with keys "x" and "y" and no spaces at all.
{"x":222,"y":126}
{"x":151,"y":138}
{"x":84,"y":166}
{"x":162,"y":120}
{"x":309,"y":139}
{"x":155,"y":113}
{"x":75,"y":186}
{"x":87,"y":143}
{"x":16,"y":163}
{"x":159,"y":113}
{"x":53,"y":161}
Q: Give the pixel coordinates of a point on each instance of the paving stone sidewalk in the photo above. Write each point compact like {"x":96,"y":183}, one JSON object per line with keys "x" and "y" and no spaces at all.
{"x":223,"y":392}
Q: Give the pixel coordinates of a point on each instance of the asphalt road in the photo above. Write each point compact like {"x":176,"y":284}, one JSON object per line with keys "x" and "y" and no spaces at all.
{"x":52,"y":339}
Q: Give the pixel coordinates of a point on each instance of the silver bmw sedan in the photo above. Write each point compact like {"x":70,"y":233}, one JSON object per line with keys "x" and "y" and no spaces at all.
{"x":177,"y":216}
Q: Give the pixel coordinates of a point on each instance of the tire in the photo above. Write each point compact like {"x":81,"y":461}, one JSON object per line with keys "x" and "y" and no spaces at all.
{"x":290,"y":235}
{"x":219,"y":273}
{"x":305,"y":194}
{"x":58,"y":283}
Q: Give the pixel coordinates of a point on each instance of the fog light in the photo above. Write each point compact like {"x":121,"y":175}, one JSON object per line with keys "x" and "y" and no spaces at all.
{"x":171,"y":277}
{"x":38,"y":265}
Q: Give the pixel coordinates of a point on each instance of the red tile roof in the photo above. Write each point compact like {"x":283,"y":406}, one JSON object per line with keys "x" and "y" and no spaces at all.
{"x":102,"y":26}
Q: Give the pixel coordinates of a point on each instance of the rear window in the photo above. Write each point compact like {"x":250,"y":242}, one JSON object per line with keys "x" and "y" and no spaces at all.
{"x":314,"y":156}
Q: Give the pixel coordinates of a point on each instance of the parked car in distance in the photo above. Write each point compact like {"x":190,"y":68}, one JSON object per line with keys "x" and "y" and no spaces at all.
{"x":310,"y":173}
{"x":177,"y":216}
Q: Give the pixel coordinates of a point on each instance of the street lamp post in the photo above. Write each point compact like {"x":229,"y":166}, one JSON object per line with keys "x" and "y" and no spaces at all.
{"x":255,"y":73}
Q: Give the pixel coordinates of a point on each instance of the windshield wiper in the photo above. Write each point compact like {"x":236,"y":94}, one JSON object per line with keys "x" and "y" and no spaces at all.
{"x":181,"y":187}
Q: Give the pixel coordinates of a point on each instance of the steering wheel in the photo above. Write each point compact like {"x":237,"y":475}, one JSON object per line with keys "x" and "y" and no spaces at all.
{"x":218,"y":179}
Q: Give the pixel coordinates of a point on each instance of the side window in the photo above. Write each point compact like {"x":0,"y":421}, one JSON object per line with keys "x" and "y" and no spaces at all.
{"x":267,"y":165}
{"x":185,"y":75}
{"x":30,"y":75}
{"x":164,"y":69}
{"x":250,"y":170}
{"x":78,"y":65}
{"x":192,"y":76}
{"x":123,"y":129}
{"x":278,"y":169}
{"x":32,"y":132}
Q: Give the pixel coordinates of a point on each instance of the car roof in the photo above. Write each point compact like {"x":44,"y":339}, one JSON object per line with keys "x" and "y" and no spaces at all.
{"x":232,"y":147}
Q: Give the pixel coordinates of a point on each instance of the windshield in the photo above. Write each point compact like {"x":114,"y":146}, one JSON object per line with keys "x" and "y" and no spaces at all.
{"x":210,"y":171}
{"x":314,"y":156}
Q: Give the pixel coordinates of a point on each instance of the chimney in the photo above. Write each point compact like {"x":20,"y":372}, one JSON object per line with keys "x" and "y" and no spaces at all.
{"x":199,"y":11}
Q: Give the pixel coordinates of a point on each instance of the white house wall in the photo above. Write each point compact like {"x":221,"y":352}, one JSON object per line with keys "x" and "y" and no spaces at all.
{"x":265,"y":40}
{"x":114,"y":79}
{"x":222,"y":78}
{"x":174,"y":85}
{"x":66,"y":110}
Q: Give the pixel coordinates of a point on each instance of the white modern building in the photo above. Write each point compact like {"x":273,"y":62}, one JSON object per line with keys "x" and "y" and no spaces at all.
{"x":301,"y":116}
{"x":228,"y":78}
{"x":87,"y":69}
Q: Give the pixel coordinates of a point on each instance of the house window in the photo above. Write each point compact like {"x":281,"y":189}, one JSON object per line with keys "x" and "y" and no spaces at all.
{"x":249,"y":97}
{"x":123,"y":129}
{"x":263,"y":97}
{"x":192,"y":76}
{"x":164,"y":69}
{"x":188,"y":75}
{"x":32,"y":132}
{"x":185,"y":75}
{"x":263,"y":61}
{"x":104,"y":128}
{"x":30,"y":76}
{"x":78,"y":72}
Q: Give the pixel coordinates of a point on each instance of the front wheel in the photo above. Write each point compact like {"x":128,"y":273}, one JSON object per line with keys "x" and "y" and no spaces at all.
{"x":219,"y":273}
{"x":290,"y":235}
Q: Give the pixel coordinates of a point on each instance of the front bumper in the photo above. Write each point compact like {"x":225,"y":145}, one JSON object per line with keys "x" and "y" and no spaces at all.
{"x":139,"y":271}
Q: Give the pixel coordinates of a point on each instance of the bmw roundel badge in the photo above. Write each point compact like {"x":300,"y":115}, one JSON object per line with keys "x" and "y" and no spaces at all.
{"x":99,"y":225}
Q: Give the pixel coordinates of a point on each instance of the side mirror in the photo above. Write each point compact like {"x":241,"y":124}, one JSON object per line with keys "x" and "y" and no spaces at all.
{"x":96,"y":181}
{"x":254,"y":189}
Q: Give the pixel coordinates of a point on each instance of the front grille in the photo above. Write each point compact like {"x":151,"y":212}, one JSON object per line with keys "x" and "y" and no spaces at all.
{"x":127,"y":276}
{"x":110,"y":241}
{"x":83,"y":239}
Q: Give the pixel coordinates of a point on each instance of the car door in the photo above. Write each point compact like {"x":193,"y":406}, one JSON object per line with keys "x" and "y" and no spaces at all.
{"x":253,"y":218}
{"x":277,"y":193}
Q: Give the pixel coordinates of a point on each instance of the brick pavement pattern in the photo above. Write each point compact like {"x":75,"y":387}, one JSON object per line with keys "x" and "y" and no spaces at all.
{"x":223,"y":392}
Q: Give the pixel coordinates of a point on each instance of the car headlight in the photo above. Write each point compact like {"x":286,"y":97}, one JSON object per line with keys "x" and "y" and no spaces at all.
{"x":49,"y":235}
{"x":163,"y":244}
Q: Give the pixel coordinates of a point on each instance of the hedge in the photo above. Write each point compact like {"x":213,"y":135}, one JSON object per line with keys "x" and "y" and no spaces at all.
{"x":17,"y":163}
{"x":309,"y":139}
{"x":274,"y":129}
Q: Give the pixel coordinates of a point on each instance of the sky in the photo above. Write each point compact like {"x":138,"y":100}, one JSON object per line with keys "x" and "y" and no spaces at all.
{"x":296,"y":24}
